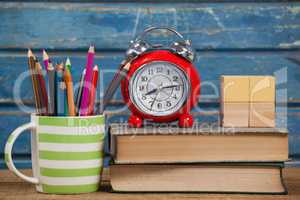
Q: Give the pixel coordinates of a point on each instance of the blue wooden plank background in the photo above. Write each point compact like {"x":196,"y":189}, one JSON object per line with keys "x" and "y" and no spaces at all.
{"x":208,"y":25}
{"x":230,"y":38}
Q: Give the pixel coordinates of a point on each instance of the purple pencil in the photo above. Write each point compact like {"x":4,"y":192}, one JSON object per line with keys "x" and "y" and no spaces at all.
{"x":87,"y":82}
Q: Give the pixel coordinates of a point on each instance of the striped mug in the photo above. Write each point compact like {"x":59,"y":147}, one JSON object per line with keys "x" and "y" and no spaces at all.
{"x":66,"y":153}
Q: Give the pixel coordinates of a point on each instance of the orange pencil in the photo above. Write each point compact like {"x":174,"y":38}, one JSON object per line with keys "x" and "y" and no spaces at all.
{"x":93,"y":90}
{"x":69,"y":85}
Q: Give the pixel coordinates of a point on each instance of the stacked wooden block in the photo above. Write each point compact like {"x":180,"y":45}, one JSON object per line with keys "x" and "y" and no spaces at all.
{"x":248,"y":101}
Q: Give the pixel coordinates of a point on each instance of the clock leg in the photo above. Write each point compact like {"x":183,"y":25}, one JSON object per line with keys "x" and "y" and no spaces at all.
{"x":186,"y":121}
{"x":135,"y":121}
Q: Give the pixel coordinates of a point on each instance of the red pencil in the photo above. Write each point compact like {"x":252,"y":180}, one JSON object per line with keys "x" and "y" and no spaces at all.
{"x":93,"y":90}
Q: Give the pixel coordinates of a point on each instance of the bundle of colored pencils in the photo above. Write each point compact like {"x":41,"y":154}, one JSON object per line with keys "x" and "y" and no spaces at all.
{"x":58,"y":98}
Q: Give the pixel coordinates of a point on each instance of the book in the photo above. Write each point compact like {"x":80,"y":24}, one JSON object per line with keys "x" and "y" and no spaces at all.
{"x":196,"y":144}
{"x":220,"y":178}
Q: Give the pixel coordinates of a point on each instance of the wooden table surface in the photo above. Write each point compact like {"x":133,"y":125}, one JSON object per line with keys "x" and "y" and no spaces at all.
{"x":12,"y":187}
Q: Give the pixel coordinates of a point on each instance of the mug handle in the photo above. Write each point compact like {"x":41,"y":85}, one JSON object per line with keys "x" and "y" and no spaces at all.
{"x":8,"y":152}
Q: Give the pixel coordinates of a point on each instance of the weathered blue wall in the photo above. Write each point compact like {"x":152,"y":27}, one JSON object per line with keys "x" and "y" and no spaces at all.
{"x":230,"y":38}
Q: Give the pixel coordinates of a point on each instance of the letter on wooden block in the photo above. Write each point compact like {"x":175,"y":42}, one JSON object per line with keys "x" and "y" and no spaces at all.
{"x":235,"y":114}
{"x":262,"y":115}
{"x":234,"y":88}
{"x":262,"y":89}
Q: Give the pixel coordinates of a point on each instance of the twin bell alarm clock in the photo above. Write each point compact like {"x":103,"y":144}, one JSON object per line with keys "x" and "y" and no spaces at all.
{"x":162,"y":84}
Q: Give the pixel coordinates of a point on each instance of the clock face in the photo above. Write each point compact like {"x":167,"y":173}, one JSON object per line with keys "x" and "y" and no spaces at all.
{"x":159,"y":88}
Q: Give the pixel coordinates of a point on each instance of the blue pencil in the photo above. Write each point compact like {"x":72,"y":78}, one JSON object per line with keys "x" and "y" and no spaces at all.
{"x":61,"y":90}
{"x":51,"y":89}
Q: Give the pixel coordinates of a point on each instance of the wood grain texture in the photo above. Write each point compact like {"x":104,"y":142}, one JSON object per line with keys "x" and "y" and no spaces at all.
{"x":14,"y":188}
{"x":151,"y":1}
{"x":22,"y":146}
{"x":211,"y":66}
{"x":208,"y":25}
{"x":233,"y":38}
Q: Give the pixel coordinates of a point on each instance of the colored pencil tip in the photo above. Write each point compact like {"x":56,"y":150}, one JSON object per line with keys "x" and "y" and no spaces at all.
{"x":95,"y":68}
{"x":45,"y":55}
{"x":84,"y":71}
{"x":68,"y":62}
{"x":60,"y":66}
{"x":29,"y":53}
{"x":39,"y":66}
{"x":50,"y":66}
{"x":92,"y":49}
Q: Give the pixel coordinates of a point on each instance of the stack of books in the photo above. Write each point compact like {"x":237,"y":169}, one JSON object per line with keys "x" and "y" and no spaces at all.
{"x":223,"y":160}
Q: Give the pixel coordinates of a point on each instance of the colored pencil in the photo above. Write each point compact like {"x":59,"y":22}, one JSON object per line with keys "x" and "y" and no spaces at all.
{"x":60,"y":90}
{"x":87,"y":82}
{"x":93,"y":90}
{"x":34,"y":80}
{"x":114,"y":84}
{"x":79,"y":91}
{"x":42,"y":89}
{"x":66,"y":109}
{"x":69,"y":85}
{"x":46,"y":59}
{"x":51,"y":90}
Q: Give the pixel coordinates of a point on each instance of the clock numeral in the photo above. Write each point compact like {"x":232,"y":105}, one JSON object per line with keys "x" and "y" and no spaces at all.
{"x":175,"y":97}
{"x":175,"y":78}
{"x":177,"y":88}
{"x":168,"y":72}
{"x":159,"y":70}
{"x":159,"y":105}
{"x":144,"y":78}
{"x":169,"y":104}
{"x":141,"y":87}
{"x":150,"y":71}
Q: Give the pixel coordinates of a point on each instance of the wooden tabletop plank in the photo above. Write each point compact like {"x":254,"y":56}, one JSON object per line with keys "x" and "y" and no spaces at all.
{"x":12,"y":187}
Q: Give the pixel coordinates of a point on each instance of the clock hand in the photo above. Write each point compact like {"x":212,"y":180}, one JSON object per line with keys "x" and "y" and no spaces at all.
{"x":170,"y":86}
{"x":151,"y":91}
{"x":167,"y":87}
{"x":154,"y":99}
{"x":154,"y":90}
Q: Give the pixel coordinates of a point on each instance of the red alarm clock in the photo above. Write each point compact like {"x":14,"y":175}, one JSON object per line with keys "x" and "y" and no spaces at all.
{"x":162,"y":84}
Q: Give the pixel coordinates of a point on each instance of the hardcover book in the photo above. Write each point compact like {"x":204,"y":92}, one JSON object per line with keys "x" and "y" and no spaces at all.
{"x":221,"y":178}
{"x":197,"y":145}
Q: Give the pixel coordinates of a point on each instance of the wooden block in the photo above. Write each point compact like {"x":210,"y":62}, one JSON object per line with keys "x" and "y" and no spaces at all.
{"x":235,"y":114}
{"x":262,"y":115}
{"x":235,"y":88}
{"x":262,"y":88}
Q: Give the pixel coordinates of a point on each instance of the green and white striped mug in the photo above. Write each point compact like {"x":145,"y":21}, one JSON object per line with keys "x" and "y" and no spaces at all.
{"x":66,"y":152}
